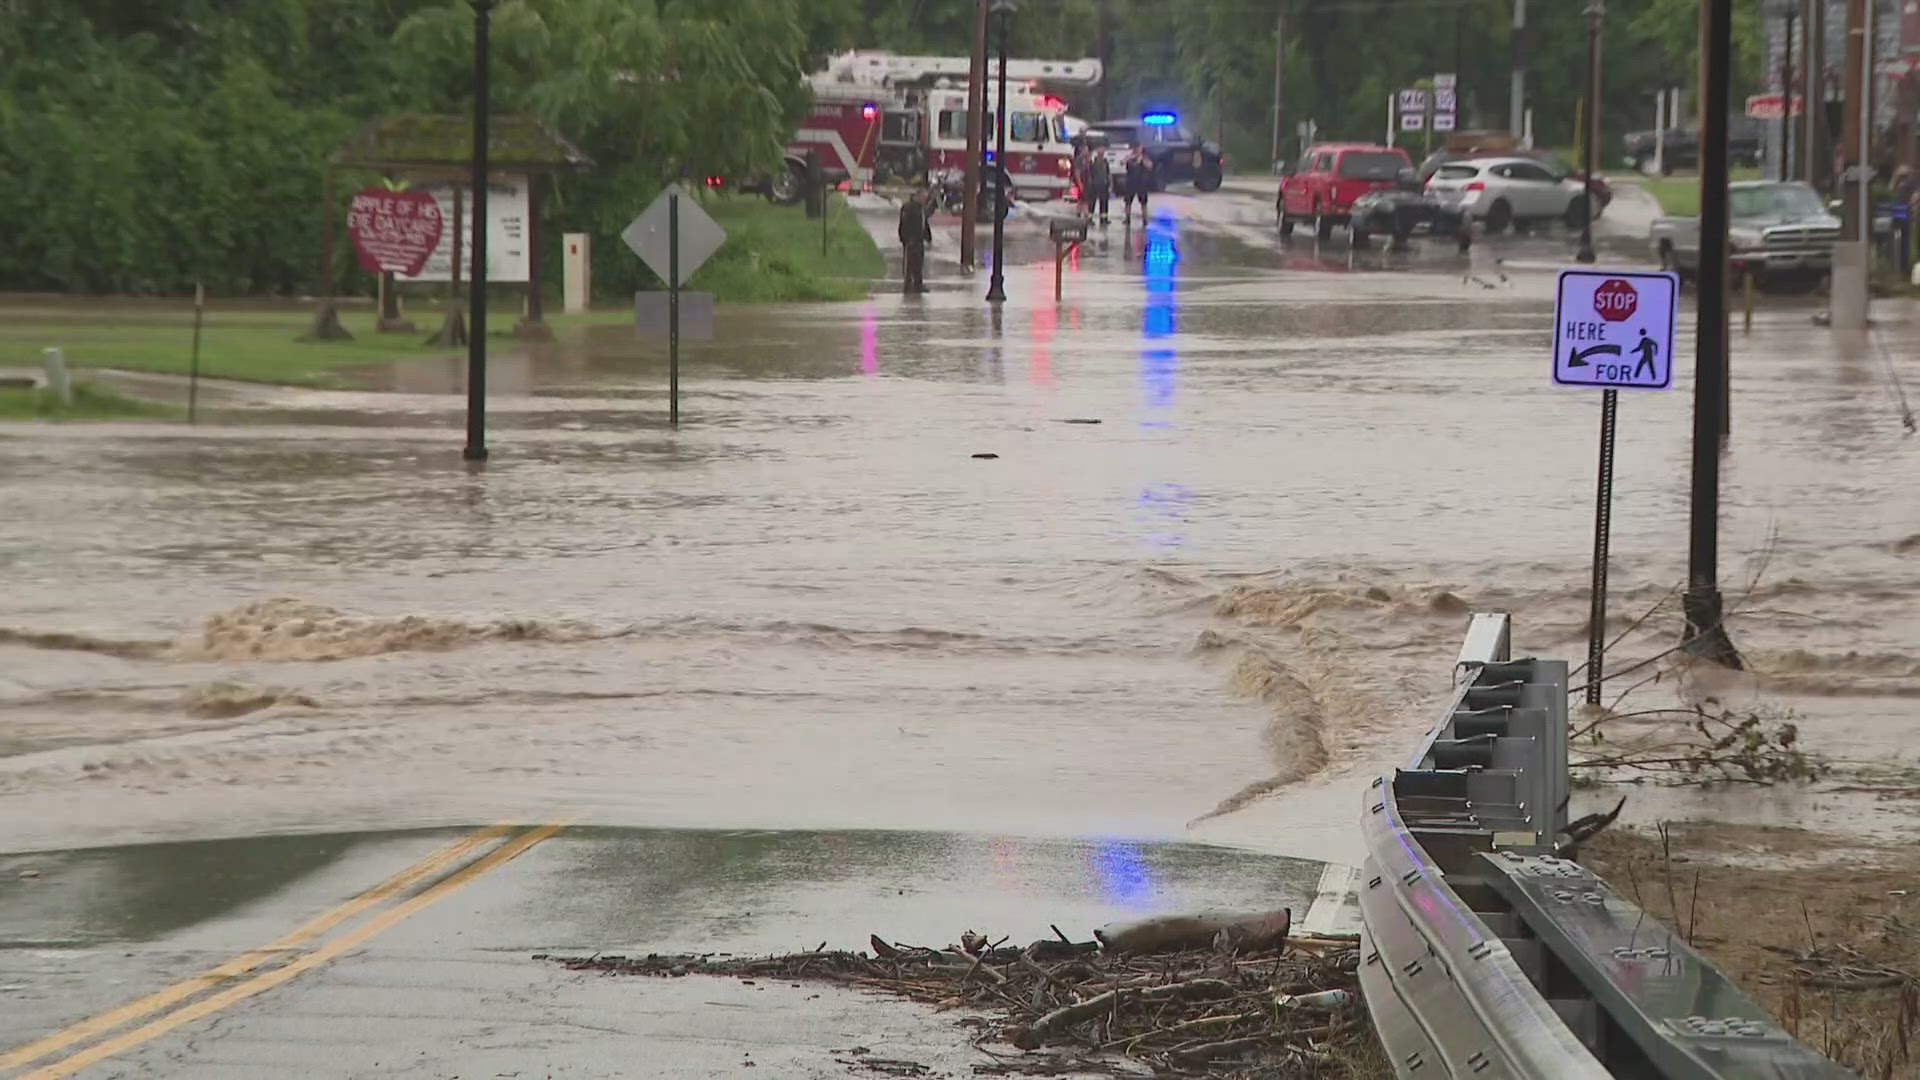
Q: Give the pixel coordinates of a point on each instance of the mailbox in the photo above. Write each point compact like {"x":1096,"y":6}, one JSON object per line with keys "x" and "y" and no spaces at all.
{"x":1068,"y":230}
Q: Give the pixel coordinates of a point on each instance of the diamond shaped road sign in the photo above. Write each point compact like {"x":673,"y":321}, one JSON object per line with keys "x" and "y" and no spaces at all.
{"x":700,"y":235}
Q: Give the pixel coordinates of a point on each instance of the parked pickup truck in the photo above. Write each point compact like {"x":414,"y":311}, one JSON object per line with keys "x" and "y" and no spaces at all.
{"x":1773,"y":227}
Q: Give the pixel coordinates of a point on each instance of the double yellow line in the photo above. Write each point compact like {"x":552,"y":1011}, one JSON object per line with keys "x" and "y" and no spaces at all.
{"x":185,"y":989}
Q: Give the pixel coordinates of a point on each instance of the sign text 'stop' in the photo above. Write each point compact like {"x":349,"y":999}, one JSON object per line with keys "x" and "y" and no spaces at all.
{"x":1615,"y":300}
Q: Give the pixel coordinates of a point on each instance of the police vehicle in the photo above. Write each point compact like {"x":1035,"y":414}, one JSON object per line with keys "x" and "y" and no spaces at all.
{"x":1176,"y":152}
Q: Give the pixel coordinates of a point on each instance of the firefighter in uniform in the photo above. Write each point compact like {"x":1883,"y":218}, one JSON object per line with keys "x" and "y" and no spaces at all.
{"x":916,"y":228}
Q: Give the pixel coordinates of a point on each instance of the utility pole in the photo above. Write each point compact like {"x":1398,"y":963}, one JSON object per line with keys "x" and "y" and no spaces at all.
{"x":1279,"y":75}
{"x":1705,"y":610}
{"x":1517,"y":98}
{"x":976,"y":105}
{"x":1590,"y":129}
{"x":1852,"y":256}
{"x":1104,"y":31}
{"x":1786,"y":95}
{"x":1816,"y":80}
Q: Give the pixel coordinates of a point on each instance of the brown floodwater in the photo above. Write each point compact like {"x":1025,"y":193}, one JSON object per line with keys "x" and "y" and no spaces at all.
{"x":1241,"y":501}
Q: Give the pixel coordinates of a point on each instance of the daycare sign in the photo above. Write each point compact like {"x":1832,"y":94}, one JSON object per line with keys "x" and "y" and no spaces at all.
{"x":394,"y":231}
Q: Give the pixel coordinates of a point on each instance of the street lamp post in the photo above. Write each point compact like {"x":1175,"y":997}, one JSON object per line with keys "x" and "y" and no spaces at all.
{"x":476,"y":448}
{"x":1003,"y":10}
{"x":1590,"y":129}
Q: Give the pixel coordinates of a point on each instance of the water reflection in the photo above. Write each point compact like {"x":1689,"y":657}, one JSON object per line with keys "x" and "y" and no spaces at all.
{"x":1159,"y":507}
{"x":869,"y":340}
{"x":1124,"y":874}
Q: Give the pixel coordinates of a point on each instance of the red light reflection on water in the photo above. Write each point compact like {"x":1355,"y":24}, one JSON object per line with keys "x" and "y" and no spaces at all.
{"x":869,"y":341}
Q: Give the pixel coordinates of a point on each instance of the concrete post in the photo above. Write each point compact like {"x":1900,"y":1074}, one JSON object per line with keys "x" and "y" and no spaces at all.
{"x":576,"y":272}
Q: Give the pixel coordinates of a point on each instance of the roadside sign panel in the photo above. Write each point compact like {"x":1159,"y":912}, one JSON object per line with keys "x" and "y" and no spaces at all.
{"x":393,"y":230}
{"x":1614,"y":329}
{"x":653,"y":315}
{"x":507,"y":251}
{"x":700,"y":235}
{"x":1413,"y":101}
{"x":1412,"y":121}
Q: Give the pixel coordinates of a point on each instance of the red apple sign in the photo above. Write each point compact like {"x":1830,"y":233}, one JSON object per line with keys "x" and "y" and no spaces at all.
{"x":393,"y":230}
{"x":1615,"y":300}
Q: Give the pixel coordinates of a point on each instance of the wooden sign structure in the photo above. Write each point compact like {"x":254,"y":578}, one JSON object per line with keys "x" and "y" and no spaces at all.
{"x":425,"y":148}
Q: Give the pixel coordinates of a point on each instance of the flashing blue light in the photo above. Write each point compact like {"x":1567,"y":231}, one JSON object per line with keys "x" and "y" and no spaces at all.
{"x":1159,"y":119}
{"x":989,"y":157}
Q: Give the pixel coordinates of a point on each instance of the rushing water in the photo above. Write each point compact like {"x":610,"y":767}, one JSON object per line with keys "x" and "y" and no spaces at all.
{"x":1241,"y":506}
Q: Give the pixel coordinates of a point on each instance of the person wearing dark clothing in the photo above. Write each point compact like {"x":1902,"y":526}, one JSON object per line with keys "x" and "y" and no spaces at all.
{"x":1099,"y":186}
{"x":1139,"y":182}
{"x":916,"y":228}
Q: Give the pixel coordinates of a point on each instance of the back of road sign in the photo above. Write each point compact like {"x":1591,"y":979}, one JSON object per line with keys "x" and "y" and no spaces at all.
{"x":1614,"y":329}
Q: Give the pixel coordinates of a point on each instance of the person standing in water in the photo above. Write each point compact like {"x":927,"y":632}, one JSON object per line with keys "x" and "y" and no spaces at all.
{"x":1099,"y":185}
{"x":1139,"y":181}
{"x":916,"y":228}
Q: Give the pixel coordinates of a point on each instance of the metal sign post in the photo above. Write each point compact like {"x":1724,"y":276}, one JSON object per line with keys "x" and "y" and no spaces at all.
{"x":1602,"y":538}
{"x":193,"y":365}
{"x":673,"y":308}
{"x":674,"y":237}
{"x":1613,"y":330}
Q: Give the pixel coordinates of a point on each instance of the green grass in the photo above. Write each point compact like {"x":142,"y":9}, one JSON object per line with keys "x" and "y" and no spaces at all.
{"x":90,"y":402}
{"x":1680,"y":195}
{"x":256,"y":346}
{"x":773,"y":253}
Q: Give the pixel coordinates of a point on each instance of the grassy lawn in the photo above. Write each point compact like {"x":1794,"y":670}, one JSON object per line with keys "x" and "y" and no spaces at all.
{"x":1680,"y":195}
{"x":257,"y":346}
{"x":773,"y":253}
{"x":90,"y":402}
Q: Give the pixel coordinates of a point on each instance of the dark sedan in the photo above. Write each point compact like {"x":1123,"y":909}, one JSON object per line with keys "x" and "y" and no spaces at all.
{"x":1399,"y":210}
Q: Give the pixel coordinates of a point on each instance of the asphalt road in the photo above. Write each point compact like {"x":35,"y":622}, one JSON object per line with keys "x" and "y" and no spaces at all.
{"x":412,"y":954}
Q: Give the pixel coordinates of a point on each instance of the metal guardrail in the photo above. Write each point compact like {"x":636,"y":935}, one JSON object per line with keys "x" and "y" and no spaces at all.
{"x":1485,"y":954}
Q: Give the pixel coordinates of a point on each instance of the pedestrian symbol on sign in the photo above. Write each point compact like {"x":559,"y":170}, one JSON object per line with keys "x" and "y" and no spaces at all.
{"x":1614,"y":329}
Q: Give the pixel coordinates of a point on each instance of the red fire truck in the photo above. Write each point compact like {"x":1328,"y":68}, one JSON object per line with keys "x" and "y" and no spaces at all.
{"x":878,"y":117}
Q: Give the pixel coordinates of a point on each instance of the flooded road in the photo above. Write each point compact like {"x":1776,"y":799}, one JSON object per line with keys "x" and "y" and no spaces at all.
{"x":1203,"y":616}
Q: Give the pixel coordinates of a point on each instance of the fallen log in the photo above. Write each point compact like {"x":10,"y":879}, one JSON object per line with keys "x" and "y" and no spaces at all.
{"x":1173,"y":933}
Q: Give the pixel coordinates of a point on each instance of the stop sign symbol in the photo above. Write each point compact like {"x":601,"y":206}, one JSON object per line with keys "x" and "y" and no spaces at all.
{"x":1615,"y":300}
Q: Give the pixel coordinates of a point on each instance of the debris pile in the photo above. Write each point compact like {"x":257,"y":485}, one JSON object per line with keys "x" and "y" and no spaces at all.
{"x":1202,"y":996}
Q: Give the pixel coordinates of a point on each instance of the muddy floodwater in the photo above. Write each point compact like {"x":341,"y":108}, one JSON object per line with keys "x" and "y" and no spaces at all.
{"x":1187,"y":554}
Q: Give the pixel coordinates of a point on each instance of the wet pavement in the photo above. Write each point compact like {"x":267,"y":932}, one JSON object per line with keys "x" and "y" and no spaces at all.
{"x":1208,"y":616}
{"x":451,"y":989}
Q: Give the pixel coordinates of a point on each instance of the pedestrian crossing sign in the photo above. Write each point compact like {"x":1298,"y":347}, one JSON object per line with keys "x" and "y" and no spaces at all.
{"x":1614,"y":329}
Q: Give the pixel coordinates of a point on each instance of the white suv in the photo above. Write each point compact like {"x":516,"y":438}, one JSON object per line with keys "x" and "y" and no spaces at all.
{"x":1502,"y":191}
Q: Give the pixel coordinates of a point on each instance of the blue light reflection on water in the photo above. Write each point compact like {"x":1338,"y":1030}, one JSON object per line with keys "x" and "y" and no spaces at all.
{"x":1125,"y":879}
{"x":1160,"y":506}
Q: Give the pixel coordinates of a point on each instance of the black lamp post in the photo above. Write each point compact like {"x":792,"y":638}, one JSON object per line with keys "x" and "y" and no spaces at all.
{"x":476,"y":449}
{"x":1003,"y":10}
{"x":1703,"y":605}
{"x":1590,"y":135}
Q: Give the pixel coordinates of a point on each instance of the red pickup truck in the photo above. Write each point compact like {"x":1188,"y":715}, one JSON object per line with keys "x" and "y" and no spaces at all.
{"x":1321,"y":188}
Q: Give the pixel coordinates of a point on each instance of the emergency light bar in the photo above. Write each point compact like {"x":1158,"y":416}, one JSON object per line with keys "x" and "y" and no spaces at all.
{"x":1159,"y":119}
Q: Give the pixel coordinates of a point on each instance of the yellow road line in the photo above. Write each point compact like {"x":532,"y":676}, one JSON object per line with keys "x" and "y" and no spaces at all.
{"x":359,"y":935}
{"x":253,"y":958}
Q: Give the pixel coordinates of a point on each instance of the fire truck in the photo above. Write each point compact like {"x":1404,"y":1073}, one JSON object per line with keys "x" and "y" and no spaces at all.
{"x":879,"y":118}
